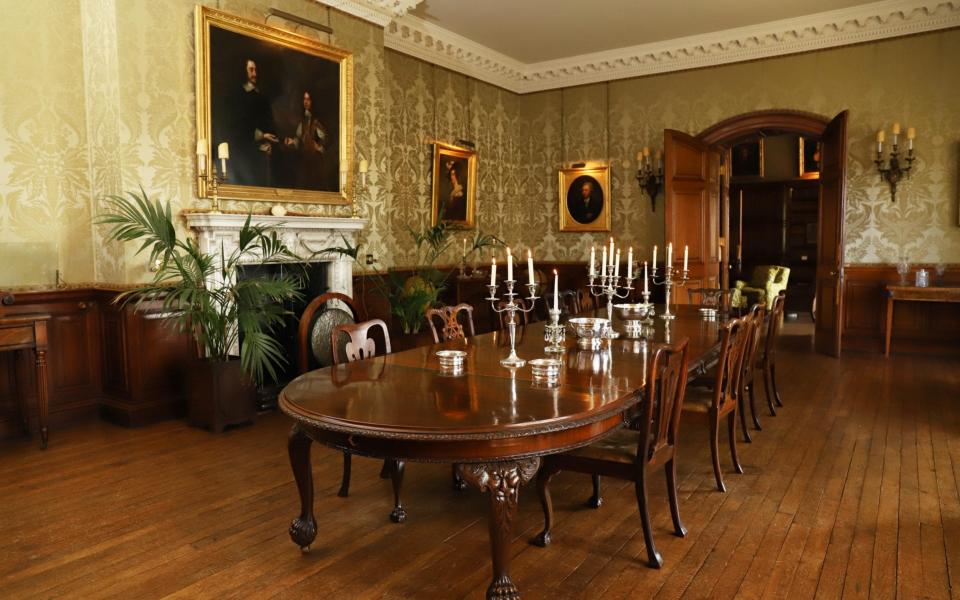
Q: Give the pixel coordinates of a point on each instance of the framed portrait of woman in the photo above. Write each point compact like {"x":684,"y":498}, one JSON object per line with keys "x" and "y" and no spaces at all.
{"x":454,"y":186}
{"x":585,"y":199}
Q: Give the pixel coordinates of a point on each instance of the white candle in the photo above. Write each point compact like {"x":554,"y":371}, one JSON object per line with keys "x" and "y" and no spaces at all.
{"x":646,"y":285}
{"x":616,"y":265}
{"x":593,"y":261}
{"x":464,"y":247}
{"x":223,"y":153}
{"x":685,"y":249}
{"x":493,"y":271}
{"x":603,"y":263}
{"x":611,"y":248}
{"x":654,"y":261}
{"x":364,"y":165}
{"x":669,"y":254}
{"x":556,"y":290}
{"x":202,"y":156}
{"x":530,"y":266}
{"x":629,"y":264}
{"x":509,"y":265}
{"x":911,"y":133}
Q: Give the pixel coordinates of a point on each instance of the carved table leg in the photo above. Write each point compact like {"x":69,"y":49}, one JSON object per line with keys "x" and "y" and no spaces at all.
{"x":399,"y":514}
{"x":43,"y":405}
{"x":502,"y":481}
{"x":303,"y":529}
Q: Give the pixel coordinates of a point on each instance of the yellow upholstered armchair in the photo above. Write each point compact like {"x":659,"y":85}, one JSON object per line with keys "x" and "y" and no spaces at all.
{"x":763,"y":287}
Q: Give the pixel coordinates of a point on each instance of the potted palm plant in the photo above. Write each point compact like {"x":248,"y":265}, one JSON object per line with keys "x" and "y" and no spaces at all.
{"x":204,"y":296}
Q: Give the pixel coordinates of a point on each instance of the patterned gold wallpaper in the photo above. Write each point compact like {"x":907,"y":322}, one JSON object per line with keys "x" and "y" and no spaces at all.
{"x":101,"y":99}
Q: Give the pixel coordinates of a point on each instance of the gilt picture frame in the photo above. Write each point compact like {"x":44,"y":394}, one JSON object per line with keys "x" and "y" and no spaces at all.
{"x":454,"y":192}
{"x":585,"y":202}
{"x":747,"y":160}
{"x":283,"y":103}
{"x":808,"y":150}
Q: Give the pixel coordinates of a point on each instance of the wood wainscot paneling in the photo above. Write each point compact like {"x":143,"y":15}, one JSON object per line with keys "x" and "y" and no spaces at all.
{"x":917,"y":326}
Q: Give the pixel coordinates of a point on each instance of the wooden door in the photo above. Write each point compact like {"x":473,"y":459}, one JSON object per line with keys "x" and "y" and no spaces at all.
{"x":833,"y":167}
{"x":691,"y":179}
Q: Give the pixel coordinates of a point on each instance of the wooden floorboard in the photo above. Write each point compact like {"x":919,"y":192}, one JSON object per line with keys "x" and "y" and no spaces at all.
{"x":852,"y":491}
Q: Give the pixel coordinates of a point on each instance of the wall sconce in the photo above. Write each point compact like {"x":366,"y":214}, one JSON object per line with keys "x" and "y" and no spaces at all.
{"x":650,"y":181}
{"x":893,"y":172}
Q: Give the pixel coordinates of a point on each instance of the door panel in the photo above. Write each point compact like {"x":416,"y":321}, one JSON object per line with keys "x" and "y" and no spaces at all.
{"x":833,"y":149}
{"x":692,"y":192}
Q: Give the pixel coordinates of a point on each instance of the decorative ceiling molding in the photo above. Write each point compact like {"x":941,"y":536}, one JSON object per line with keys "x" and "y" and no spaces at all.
{"x":866,"y":23}
{"x":378,"y":12}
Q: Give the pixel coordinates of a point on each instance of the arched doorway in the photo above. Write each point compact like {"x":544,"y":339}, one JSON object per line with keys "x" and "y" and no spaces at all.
{"x":831,"y":203}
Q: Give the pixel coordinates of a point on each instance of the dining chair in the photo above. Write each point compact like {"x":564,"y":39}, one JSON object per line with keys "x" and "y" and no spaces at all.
{"x":569,"y":303}
{"x":317,"y":320}
{"x":767,"y":361}
{"x":755,"y":319}
{"x":722,"y":397}
{"x":650,"y":438}
{"x":361,"y":345}
{"x":451,"y":322}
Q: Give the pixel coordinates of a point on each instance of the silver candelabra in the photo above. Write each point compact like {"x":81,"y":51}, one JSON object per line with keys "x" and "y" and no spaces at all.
{"x":608,"y":285}
{"x":668,"y":282}
{"x":512,"y":308}
{"x":554,"y":333}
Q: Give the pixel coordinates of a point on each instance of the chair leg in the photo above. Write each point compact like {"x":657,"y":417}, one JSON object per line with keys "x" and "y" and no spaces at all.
{"x":345,"y":481}
{"x":458,"y":483}
{"x":385,"y":469}
{"x":773,"y":381}
{"x":671,"y":470}
{"x":742,"y":409}
{"x":546,"y":502}
{"x":768,"y":389}
{"x":596,"y":499}
{"x":653,"y":557}
{"x":732,"y":427}
{"x":399,"y":515}
{"x":714,"y":425}
{"x":753,"y":407}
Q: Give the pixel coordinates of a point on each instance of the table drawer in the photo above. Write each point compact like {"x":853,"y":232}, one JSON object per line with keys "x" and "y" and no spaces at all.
{"x":16,"y":336}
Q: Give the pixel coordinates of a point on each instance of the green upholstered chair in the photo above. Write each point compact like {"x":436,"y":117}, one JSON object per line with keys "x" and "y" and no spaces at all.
{"x":763,"y":287}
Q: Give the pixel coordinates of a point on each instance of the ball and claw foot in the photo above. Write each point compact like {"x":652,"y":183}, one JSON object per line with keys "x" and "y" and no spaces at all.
{"x":398,"y":515}
{"x":502,"y":588}
{"x":303,"y":532}
{"x":542,"y":539}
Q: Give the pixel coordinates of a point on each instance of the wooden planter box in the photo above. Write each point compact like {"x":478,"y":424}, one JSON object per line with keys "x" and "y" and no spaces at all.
{"x":219,"y":394}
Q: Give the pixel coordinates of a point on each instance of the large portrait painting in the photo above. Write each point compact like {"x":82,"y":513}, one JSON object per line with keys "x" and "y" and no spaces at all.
{"x":747,"y":159}
{"x":282,"y":103}
{"x":454,"y":186}
{"x":585,"y":199}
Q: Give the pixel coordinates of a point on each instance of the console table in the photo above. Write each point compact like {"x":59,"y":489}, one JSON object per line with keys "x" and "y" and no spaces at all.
{"x":911,"y":293}
{"x":22,"y":332}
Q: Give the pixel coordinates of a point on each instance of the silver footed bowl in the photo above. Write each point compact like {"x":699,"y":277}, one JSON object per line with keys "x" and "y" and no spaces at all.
{"x":633,"y":312}
{"x":589,"y":327}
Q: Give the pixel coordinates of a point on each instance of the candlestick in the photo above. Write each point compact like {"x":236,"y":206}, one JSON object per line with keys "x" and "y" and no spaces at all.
{"x":610,"y":285}
{"x":511,"y":307}
{"x":554,"y":333}
{"x":669,"y":280}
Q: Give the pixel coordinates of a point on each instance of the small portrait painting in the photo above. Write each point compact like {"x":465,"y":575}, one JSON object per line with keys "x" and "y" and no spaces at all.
{"x":747,"y":159}
{"x":809,"y":152}
{"x":454,"y":186}
{"x":280,"y":102}
{"x":585,"y":199}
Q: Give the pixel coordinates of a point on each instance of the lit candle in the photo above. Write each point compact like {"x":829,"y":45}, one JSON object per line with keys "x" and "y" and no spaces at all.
{"x":911,"y":133}
{"x":896,"y":132}
{"x":881,"y":136}
{"x":530,"y":266}
{"x":509,"y":265}
{"x":593,"y":261}
{"x":640,"y":157}
{"x":493,"y":271}
{"x":223,"y":153}
{"x":646,"y":284}
{"x":685,"y":249}
{"x":669,"y":255}
{"x":654,"y":261}
{"x":556,"y":290}
{"x":646,"y":150}
{"x":202,"y":156}
{"x":603,"y":263}
{"x":629,"y":264}
{"x":364,"y":166}
{"x":616,"y":265}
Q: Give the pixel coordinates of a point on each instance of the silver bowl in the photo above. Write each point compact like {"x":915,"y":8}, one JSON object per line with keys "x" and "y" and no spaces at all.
{"x":451,"y":360}
{"x":633,"y":312}
{"x":590,"y":331}
{"x":545,"y":368}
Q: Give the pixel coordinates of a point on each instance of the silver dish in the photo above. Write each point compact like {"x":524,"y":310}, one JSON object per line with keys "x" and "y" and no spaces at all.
{"x":633,"y":312}
{"x":451,"y":360}
{"x":590,"y":331}
{"x":545,"y":368}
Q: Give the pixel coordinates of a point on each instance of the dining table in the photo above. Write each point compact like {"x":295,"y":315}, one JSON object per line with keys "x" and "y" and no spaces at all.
{"x":493,"y":422}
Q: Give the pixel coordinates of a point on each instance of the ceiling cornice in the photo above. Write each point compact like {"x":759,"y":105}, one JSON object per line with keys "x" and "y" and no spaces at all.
{"x":378,"y":12}
{"x":866,"y":23}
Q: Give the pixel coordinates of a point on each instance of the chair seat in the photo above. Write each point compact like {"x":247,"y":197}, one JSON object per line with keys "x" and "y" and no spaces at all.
{"x":620,"y":447}
{"x":698,"y":399}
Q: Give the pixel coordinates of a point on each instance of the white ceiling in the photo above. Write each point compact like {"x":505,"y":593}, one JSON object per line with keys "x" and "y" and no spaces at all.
{"x":531,"y":31}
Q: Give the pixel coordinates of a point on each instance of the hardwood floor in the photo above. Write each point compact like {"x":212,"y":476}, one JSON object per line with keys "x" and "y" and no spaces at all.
{"x":851,"y":491}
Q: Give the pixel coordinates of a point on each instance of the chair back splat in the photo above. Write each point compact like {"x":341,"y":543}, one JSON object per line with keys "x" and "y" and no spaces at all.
{"x":451,"y":325}
{"x":361,"y":345}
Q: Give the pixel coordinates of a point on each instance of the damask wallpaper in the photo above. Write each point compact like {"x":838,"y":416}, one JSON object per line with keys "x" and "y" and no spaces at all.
{"x":101,"y":96}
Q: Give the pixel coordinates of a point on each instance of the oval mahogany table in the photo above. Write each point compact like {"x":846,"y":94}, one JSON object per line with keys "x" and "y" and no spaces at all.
{"x":494,"y":422}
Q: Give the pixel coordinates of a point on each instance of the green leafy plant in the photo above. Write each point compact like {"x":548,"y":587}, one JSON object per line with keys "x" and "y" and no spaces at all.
{"x":202,"y":291}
